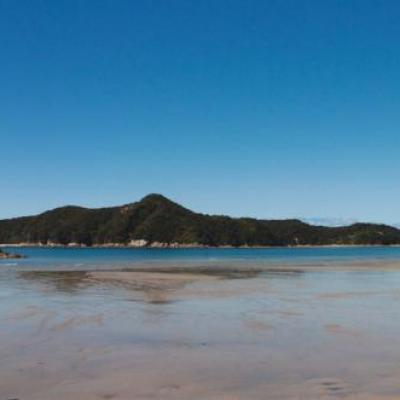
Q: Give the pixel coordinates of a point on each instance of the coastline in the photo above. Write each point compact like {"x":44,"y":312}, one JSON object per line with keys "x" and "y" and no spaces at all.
{"x":159,"y":245}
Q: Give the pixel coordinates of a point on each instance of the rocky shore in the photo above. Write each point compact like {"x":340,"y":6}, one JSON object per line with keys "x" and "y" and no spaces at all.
{"x":5,"y":255}
{"x":143,"y":244}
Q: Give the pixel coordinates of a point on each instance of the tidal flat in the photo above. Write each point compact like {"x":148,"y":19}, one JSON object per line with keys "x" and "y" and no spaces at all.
{"x":237,"y":330}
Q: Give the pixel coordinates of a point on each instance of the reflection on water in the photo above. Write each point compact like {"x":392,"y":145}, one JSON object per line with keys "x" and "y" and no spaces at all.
{"x":157,"y":287}
{"x":232,"y":331}
{"x":63,"y":281}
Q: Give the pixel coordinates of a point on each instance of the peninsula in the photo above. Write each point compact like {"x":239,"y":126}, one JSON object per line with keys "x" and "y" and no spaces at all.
{"x":156,"y":221}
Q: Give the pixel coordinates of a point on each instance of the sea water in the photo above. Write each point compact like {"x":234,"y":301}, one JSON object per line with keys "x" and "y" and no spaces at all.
{"x":111,"y":257}
{"x":309,"y":323}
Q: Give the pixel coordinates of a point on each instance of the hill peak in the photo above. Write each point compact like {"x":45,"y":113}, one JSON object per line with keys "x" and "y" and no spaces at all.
{"x":155,"y":197}
{"x":156,"y":220}
{"x":158,"y":200}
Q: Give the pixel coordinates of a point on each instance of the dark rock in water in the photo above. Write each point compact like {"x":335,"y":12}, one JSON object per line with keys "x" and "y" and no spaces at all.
{"x":4,"y":255}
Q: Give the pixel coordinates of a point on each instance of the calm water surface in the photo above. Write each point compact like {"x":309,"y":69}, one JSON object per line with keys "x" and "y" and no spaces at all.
{"x":98,"y":258}
{"x":307,"y":324}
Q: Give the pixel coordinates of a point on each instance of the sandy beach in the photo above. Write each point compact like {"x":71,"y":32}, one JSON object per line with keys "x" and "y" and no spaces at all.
{"x":290,"y":333}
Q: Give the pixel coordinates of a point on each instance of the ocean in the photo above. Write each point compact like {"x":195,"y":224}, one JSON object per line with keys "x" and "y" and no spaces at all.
{"x":275,"y":324}
{"x":72,"y":258}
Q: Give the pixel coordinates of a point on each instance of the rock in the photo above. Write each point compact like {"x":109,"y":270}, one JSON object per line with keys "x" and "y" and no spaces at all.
{"x":138,"y":243}
{"x":4,"y":255}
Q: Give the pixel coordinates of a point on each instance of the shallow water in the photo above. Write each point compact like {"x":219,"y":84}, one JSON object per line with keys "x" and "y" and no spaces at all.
{"x":104,"y":257}
{"x":315,"y":327}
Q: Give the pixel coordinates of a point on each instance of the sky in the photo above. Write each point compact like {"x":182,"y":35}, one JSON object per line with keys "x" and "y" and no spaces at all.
{"x":269,"y":109}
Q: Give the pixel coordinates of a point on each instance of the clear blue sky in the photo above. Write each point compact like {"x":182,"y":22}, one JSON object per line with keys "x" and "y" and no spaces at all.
{"x":258,"y":108}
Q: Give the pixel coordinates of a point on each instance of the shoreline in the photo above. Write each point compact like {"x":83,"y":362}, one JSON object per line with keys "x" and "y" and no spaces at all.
{"x":171,"y":246}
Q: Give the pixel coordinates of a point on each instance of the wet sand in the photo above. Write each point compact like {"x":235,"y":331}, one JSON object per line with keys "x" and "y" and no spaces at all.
{"x":178,"y":333}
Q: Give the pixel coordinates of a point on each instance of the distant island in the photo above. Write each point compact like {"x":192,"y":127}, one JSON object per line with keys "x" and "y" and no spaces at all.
{"x":156,"y":221}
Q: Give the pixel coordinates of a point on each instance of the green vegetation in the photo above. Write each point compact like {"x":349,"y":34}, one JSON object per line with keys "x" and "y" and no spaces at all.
{"x":157,"y":219}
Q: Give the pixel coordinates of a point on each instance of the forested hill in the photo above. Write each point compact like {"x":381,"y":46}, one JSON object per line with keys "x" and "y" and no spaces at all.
{"x":157,"y":221}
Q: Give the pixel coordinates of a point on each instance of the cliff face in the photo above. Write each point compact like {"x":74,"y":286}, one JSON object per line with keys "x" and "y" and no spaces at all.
{"x":157,"y":221}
